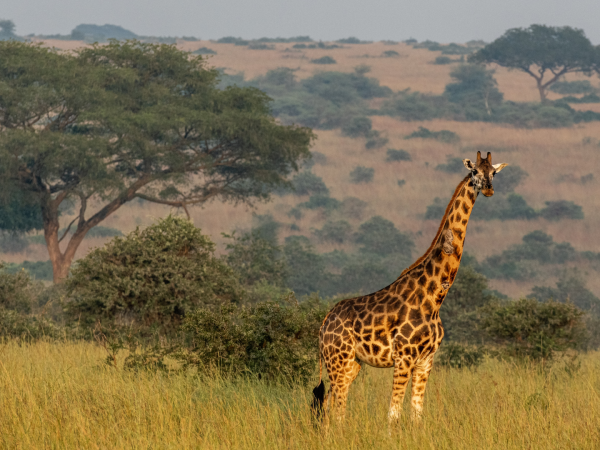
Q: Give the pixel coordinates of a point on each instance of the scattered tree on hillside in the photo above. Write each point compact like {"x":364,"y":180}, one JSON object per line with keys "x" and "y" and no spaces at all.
{"x":109,"y":124}
{"x":542,"y":50}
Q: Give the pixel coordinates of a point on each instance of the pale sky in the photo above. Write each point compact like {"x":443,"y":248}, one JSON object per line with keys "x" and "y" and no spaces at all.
{"x":440,"y":20}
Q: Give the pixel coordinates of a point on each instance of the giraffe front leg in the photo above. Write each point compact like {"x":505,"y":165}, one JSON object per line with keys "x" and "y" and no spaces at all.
{"x":420,"y":376}
{"x":402,"y":371}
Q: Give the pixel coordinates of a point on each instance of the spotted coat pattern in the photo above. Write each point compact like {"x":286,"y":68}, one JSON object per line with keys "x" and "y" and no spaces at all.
{"x":399,"y":325}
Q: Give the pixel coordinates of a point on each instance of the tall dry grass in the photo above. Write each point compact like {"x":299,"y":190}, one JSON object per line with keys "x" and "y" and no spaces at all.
{"x":60,"y":395}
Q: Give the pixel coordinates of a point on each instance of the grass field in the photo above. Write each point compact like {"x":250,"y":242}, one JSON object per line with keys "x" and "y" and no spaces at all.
{"x":60,"y":395}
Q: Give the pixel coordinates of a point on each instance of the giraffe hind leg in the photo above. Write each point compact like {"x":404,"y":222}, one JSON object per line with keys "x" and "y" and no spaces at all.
{"x":341,"y":386}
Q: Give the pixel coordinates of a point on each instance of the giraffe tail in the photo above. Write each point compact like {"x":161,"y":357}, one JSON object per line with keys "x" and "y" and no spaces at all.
{"x":319,"y":392}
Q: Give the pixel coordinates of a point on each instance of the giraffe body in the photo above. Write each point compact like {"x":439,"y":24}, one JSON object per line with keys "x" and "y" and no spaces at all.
{"x":399,"y":326}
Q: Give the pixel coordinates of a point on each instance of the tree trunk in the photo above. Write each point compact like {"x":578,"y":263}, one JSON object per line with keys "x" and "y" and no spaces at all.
{"x":542,"y":91}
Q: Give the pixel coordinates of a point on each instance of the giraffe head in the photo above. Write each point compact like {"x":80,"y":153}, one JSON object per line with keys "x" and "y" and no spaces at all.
{"x":482,"y":173}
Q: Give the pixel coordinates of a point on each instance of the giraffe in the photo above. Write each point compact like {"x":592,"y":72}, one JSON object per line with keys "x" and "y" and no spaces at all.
{"x":400,"y":325}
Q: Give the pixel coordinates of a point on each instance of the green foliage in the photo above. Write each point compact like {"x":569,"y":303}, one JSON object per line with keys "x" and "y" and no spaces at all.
{"x":443,"y":60}
{"x":204,"y":51}
{"x":307,"y":270}
{"x":475,"y":89}
{"x":256,"y":259}
{"x":150,"y":278}
{"x":7,"y":30}
{"x":539,"y":50}
{"x":307,"y":183}
{"x":527,"y":328}
{"x":411,"y":106}
{"x":361,"y":174}
{"x":572,"y":87}
{"x":12,"y":243}
{"x":569,"y":288}
{"x":357,"y":127}
{"x":266,"y":227}
{"x":446,"y":136}
{"x":353,"y":208}
{"x":390,"y":54}
{"x":15,"y":291}
{"x":515,"y":262}
{"x":398,"y":155}
{"x":561,"y":209}
{"x":121,"y":139}
{"x":334,"y":231}
{"x":379,"y":236}
{"x":274,"y":341}
{"x":459,"y":356}
{"x":453,"y":165}
{"x":260,"y":46}
{"x":375,"y":140}
{"x":352,"y":40}
{"x":39,"y":270}
{"x":101,"y":33}
{"x":321,"y":201}
{"x":324,"y":60}
{"x":503,"y":207}
{"x":19,"y":211}
{"x":509,"y":179}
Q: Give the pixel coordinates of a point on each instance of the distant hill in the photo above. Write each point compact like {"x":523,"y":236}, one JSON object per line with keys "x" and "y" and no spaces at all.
{"x":101,"y":32}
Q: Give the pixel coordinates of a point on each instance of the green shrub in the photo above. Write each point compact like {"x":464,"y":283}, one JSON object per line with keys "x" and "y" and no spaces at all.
{"x":357,"y":127}
{"x":336,"y":231}
{"x":307,"y":183}
{"x":398,"y":155}
{"x":504,"y":207}
{"x":443,"y":135}
{"x":390,"y":54}
{"x":361,"y":174}
{"x":475,"y":89}
{"x":527,"y":328}
{"x":375,"y":140}
{"x":324,"y":60}
{"x":367,"y":274}
{"x":307,"y":270}
{"x":572,"y":87}
{"x":39,"y":270}
{"x":510,"y":178}
{"x":401,"y":183}
{"x":321,"y":201}
{"x":459,"y":356}
{"x":256,"y":259}
{"x":352,"y":40}
{"x":231,"y":40}
{"x":436,"y":210}
{"x":379,"y":236}
{"x":443,"y":60}
{"x":150,"y":278}
{"x":260,"y":46}
{"x":561,"y":209}
{"x":16,"y":291}
{"x":274,"y":341}
{"x":569,"y":288}
{"x":295,"y":213}
{"x":204,"y":51}
{"x":102,"y":232}
{"x":265,"y":227}
{"x":415,"y":106}
{"x":453,"y":165}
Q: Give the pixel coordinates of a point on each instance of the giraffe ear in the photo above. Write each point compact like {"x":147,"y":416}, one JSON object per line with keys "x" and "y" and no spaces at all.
{"x":468,"y":164}
{"x":499,"y":167}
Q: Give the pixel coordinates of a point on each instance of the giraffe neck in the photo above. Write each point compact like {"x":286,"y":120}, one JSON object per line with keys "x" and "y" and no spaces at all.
{"x":433,"y":273}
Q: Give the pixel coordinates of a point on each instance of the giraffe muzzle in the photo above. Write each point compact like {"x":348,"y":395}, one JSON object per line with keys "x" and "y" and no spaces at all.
{"x":488,"y":192}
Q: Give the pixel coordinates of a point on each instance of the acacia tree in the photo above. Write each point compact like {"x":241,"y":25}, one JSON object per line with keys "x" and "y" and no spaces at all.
{"x":109,"y":124}
{"x":541,"y":50}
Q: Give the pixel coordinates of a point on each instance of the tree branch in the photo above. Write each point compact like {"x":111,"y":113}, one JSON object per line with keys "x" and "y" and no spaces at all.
{"x":67,"y":230}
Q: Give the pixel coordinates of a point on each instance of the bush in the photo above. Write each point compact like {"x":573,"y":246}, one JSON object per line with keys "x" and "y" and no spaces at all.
{"x":367,"y":274}
{"x":352,"y":40}
{"x":453,"y":165}
{"x":337,"y":232}
{"x":390,"y":54}
{"x":510,"y":178}
{"x":443,"y":60}
{"x":504,"y":207}
{"x":561,"y":209}
{"x":274,"y":341}
{"x":204,"y":51}
{"x":379,"y":236}
{"x":324,"y":60}
{"x":527,"y":328}
{"x":150,"y":279}
{"x":39,"y":270}
{"x":307,"y":270}
{"x":459,"y":356}
{"x":16,"y":291}
{"x":260,"y":46}
{"x":415,"y":106}
{"x":375,"y":141}
{"x":475,"y":89}
{"x":572,"y":87}
{"x":353,"y":207}
{"x":357,"y":127}
{"x":266,"y":227}
{"x":361,"y":174}
{"x":398,"y":155}
{"x":446,"y":136}
{"x":256,"y":259}
{"x":321,"y":201}
{"x":569,"y":288}
{"x":307,"y":183}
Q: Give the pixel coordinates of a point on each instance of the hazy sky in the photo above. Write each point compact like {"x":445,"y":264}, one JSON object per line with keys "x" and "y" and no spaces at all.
{"x":440,"y":20}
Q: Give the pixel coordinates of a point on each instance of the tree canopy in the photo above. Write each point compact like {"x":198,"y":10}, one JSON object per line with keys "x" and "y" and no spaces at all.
{"x":542,"y":50}
{"x":109,"y":124}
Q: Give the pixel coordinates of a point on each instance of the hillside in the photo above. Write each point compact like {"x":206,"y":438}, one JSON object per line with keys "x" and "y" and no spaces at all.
{"x":558,"y":163}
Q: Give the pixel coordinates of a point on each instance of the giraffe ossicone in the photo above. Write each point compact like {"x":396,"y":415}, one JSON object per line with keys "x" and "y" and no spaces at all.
{"x":399,"y":326}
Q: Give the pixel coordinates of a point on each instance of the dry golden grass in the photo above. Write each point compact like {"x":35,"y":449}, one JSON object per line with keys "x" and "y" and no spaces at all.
{"x":60,"y":395}
{"x":546,"y":154}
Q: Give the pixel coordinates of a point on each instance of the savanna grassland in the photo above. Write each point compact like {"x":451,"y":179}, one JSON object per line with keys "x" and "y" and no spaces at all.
{"x":555,"y":160}
{"x":60,"y":395}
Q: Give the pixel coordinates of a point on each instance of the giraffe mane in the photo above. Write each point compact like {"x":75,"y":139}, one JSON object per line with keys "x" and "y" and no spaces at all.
{"x":439,"y":231}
